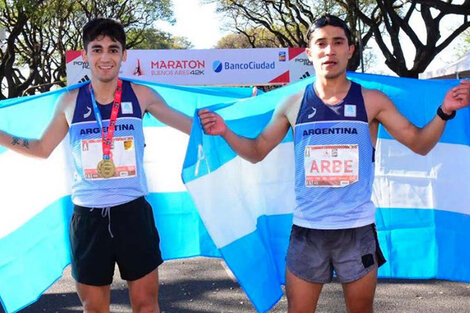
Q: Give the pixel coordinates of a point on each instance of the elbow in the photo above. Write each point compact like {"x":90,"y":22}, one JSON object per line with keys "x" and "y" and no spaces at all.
{"x":254,"y":160}
{"x":43,"y":153}
{"x":421,"y":150}
{"x":422,"y":153}
{"x":256,"y":157}
{"x":420,"y":146}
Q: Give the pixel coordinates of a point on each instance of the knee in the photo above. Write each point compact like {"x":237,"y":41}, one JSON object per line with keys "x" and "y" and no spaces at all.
{"x":366,"y":308}
{"x":89,"y":309}
{"x":143,"y":305}
{"x":293,"y":307}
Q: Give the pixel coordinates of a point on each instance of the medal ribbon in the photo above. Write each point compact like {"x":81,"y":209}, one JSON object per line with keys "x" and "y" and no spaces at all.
{"x":108,"y":138}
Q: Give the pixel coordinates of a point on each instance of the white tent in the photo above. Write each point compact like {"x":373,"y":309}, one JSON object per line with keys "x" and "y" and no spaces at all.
{"x":458,"y":69}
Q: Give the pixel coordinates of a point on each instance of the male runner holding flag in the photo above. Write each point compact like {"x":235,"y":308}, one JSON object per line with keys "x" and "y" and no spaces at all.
{"x":335,"y":124}
{"x":112,"y":221}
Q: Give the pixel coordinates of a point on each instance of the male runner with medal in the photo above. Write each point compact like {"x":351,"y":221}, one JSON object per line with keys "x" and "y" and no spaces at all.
{"x":335,"y":123}
{"x":112,"y":221}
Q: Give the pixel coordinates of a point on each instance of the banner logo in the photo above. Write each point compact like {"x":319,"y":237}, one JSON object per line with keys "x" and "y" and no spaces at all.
{"x":217,"y":66}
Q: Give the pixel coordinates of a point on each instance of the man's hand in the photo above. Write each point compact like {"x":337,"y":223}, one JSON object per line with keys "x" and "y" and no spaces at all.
{"x":212,"y":123}
{"x":457,"y":97}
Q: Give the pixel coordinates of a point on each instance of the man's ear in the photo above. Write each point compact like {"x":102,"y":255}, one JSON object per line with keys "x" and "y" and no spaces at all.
{"x":84,"y":56}
{"x":308,"y":52}
{"x":351,"y":51}
{"x":124,"y":55}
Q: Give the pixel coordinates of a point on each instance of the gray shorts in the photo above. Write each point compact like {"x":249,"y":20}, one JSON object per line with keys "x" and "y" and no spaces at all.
{"x":314,"y":254}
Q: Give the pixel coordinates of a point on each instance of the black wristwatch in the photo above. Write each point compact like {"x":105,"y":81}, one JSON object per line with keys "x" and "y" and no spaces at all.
{"x":444,"y":116}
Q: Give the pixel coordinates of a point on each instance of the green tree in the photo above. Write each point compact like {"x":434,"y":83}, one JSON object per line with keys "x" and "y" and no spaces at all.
{"x":39,"y":32}
{"x":157,"y":39}
{"x":388,"y":22}
{"x":253,"y":38}
{"x":463,"y":45}
{"x":287,"y":21}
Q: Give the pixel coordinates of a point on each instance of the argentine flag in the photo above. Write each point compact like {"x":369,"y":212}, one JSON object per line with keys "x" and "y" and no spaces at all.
{"x":35,"y":207}
{"x":243,"y":210}
{"x":423,"y":202}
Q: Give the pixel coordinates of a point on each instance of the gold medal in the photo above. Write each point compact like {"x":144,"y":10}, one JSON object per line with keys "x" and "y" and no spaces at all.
{"x":106,"y":168}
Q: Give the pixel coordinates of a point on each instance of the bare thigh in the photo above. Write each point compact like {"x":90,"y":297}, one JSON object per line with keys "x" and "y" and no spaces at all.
{"x":359,"y":295}
{"x":302,"y":296}
{"x":143,"y":293}
{"x":95,"y":299}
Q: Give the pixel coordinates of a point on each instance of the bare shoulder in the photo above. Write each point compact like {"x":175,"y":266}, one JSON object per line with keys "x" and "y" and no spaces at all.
{"x":375,"y":101}
{"x":144,"y":92}
{"x":373,"y":95}
{"x":288,"y":103}
{"x":146,"y":96}
{"x":68,"y":98}
{"x":291,"y":106}
{"x":66,"y":104}
{"x":138,"y":88}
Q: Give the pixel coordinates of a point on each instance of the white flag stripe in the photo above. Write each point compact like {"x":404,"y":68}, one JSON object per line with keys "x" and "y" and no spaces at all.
{"x":238,"y":216}
{"x":404,"y":179}
{"x":32,"y":185}
{"x":163,"y":158}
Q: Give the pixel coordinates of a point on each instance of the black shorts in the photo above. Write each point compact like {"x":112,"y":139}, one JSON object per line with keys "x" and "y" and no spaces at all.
{"x":124,"y":234}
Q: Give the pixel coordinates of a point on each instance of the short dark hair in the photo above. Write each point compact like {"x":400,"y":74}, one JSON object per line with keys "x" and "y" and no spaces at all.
{"x":103,"y":27}
{"x":328,"y":19}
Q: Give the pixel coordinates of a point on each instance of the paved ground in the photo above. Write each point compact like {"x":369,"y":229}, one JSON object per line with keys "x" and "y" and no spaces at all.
{"x":202,"y":285}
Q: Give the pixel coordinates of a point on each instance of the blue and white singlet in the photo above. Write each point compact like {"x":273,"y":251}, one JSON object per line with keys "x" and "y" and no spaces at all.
{"x":129,"y":181}
{"x":334,"y":163}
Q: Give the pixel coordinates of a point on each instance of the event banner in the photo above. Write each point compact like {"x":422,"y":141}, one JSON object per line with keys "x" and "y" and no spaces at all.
{"x":222,"y":67}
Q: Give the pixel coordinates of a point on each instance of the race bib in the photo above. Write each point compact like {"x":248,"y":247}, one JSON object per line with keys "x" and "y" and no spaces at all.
{"x":331,"y":165}
{"x":122,"y":155}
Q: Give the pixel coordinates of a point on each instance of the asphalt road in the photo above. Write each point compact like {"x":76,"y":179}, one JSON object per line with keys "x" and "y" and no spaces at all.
{"x":200,"y":285}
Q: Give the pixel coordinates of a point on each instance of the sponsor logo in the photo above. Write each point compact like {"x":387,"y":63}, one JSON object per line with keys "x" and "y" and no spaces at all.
{"x":87,"y":114}
{"x":305,"y":75}
{"x":81,"y":63}
{"x":282,"y":56}
{"x":138,"y":69}
{"x":303,"y":61}
{"x":217,"y":66}
{"x":178,"y":64}
{"x":177,"y":67}
{"x":84,"y":79}
{"x":313,"y":113}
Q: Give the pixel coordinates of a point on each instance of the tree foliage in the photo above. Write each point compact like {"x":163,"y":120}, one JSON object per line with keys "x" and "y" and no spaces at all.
{"x":387,"y":21}
{"x":39,"y":32}
{"x":463,"y":45}
{"x":395,"y":16}
{"x":157,"y":39}
{"x":287,"y":21}
{"x":257,"y":38}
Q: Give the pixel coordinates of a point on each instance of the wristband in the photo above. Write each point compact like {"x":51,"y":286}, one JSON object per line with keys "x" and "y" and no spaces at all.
{"x":444,"y":116}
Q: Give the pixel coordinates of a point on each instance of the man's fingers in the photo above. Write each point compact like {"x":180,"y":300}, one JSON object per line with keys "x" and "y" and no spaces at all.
{"x":464,"y":87}
{"x":208,"y":119}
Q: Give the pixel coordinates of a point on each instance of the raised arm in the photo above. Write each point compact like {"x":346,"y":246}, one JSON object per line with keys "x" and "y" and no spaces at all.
{"x":419,"y":140}
{"x":50,"y":139}
{"x":153,"y":103}
{"x":253,"y":150}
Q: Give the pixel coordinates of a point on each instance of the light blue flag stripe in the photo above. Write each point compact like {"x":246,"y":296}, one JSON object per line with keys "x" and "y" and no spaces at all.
{"x":422,"y":227}
{"x":33,"y":255}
